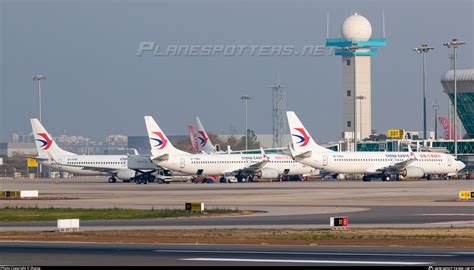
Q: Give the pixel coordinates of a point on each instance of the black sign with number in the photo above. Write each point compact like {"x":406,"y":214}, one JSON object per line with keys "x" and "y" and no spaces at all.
{"x":188,"y":206}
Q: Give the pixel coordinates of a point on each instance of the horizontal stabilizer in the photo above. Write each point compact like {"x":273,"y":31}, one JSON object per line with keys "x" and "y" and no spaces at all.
{"x":161,"y":158}
{"x":304,"y":155}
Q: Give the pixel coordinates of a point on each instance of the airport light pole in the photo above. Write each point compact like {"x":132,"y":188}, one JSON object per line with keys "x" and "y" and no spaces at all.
{"x":246,"y":98}
{"x":39,"y":78}
{"x":360,"y":98}
{"x":436,"y":107}
{"x":454,"y":43}
{"x":423,"y":49}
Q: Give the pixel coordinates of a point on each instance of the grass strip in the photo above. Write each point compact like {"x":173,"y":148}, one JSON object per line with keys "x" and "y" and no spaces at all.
{"x":409,"y":237}
{"x":24,"y":214}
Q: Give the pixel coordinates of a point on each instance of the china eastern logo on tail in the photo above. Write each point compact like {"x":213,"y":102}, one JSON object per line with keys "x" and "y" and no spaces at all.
{"x":46,"y":141}
{"x":203,"y":138}
{"x":161,"y":141}
{"x":304,"y":138}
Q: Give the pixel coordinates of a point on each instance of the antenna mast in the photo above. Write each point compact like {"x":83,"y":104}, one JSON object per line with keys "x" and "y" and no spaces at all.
{"x":280,"y":126}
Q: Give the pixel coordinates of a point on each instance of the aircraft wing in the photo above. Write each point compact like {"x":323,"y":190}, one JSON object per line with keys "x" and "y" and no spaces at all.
{"x":254,"y":167}
{"x":396,"y":167}
{"x":399,"y":166}
{"x":90,"y":168}
{"x":258,"y":165}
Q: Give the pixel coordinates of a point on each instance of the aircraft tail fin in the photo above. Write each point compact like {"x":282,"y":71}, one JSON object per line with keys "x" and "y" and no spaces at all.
{"x":193,"y":137}
{"x":45,"y":144}
{"x":302,"y":141}
{"x":204,"y":142}
{"x":159,"y":143}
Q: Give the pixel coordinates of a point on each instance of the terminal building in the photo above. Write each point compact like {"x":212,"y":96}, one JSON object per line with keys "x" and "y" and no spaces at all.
{"x":465,"y":96}
{"x":465,"y":111}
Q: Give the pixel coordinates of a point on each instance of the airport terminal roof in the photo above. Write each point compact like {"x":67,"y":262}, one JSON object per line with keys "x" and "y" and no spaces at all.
{"x":465,"y":95}
{"x":462,"y":74}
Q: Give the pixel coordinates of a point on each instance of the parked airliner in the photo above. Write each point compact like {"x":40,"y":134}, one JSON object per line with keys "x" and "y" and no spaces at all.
{"x":243,"y":166}
{"x":383,"y":165}
{"x":115,"y":166}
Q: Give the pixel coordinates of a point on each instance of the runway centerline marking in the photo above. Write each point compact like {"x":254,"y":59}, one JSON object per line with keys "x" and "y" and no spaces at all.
{"x":302,"y":253}
{"x":303,"y":261}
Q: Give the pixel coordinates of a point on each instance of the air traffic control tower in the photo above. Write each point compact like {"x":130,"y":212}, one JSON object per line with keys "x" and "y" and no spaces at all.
{"x":356,"y":48}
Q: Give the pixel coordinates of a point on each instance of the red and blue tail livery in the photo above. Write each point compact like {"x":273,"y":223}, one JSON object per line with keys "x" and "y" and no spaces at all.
{"x":161,"y":140}
{"x":203,"y":138}
{"x":304,"y":138}
{"x":46,"y":141}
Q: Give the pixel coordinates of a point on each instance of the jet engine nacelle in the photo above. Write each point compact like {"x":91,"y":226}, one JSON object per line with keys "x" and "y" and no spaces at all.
{"x":126,"y":174}
{"x":413,"y":172}
{"x":267,"y":174}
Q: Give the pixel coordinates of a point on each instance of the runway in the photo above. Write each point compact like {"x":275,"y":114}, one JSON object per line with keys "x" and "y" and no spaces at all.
{"x":50,"y":254}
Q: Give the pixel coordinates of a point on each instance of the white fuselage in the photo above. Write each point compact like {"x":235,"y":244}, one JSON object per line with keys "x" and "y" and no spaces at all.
{"x":76,"y":164}
{"x":372,"y":162}
{"x":220,"y":164}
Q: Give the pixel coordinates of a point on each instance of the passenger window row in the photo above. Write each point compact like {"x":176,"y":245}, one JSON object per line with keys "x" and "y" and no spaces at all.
{"x":93,"y":163}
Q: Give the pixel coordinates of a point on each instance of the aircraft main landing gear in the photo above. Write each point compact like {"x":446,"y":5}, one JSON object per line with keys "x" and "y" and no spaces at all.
{"x":141,"y":180}
{"x":112,"y":180}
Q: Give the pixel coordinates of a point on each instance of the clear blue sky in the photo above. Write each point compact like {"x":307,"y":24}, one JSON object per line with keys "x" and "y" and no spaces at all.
{"x":98,"y":86}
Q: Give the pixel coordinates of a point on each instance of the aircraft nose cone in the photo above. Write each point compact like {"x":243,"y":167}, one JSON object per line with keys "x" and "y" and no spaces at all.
{"x":461,"y":165}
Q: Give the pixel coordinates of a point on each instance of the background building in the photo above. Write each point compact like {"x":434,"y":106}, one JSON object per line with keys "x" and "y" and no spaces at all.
{"x":465,"y":96}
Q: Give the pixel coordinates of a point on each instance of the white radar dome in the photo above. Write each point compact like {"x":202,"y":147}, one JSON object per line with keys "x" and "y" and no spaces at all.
{"x":356,"y":28}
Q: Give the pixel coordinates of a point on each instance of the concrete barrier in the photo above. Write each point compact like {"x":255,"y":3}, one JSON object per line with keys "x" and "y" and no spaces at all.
{"x":68,"y":225}
{"x":29,"y":194}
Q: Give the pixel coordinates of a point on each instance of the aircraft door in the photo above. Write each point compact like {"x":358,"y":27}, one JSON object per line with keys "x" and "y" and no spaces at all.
{"x":325,"y":160}
{"x":449,"y":161}
{"x":181,"y":163}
